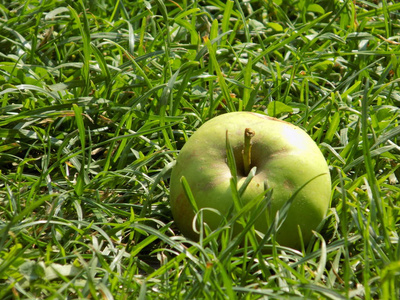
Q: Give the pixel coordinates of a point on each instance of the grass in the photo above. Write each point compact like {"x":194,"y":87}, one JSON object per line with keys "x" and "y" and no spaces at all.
{"x":97,"y":98}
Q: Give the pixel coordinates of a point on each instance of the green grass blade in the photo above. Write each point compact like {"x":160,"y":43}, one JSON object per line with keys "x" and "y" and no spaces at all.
{"x":85,"y":34}
{"x":221,"y":79}
{"x":80,"y":182}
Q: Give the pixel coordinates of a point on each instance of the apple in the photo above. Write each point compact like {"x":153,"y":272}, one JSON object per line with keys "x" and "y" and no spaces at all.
{"x":286,"y":158}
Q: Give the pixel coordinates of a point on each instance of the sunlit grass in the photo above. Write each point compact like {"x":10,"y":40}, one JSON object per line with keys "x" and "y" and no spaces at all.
{"x":97,"y":99}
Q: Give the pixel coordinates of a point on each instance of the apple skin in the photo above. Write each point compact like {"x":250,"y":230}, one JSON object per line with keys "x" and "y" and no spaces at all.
{"x":286,"y":158}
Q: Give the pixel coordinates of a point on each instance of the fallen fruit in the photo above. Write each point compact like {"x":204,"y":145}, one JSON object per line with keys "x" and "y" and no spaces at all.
{"x":286,"y":158}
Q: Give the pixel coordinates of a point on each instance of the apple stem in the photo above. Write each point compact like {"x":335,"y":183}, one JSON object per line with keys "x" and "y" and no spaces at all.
{"x":248,"y":134}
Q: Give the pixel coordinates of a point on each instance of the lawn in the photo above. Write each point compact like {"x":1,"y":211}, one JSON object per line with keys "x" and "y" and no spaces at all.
{"x":98,"y":97}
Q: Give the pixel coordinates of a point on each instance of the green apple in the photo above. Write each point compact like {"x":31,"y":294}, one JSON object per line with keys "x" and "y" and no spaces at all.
{"x":287,"y":161}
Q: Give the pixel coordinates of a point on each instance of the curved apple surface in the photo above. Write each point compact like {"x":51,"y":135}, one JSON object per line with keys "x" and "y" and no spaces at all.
{"x":286,"y":159}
